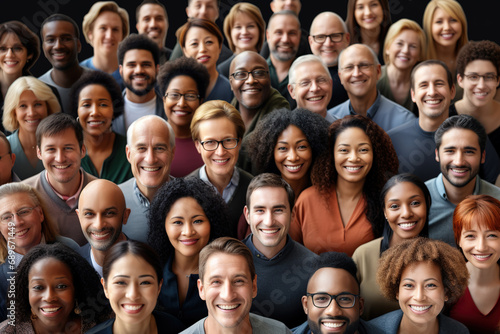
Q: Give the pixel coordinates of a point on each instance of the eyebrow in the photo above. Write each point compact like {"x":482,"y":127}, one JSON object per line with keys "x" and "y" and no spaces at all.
{"x":397,"y":199}
{"x":298,"y":141}
{"x":106,"y":209}
{"x":126,"y":276}
{"x":425,"y":280}
{"x":280,"y":206}
{"x":465,"y":148}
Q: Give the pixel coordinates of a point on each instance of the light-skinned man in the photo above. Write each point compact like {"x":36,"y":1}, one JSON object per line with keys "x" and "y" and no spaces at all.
{"x":102,"y":212}
{"x":150,"y":150}
{"x":281,"y":264}
{"x":152,"y":21}
{"x":7,"y":159}
{"x":359,"y":70}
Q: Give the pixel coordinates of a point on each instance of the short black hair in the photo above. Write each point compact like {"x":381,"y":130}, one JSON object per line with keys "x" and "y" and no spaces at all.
{"x":430,"y":62}
{"x":57,"y":123}
{"x":139,"y":42}
{"x":337,"y":260}
{"x":60,"y":17}
{"x":465,"y":122}
{"x":149,"y":2}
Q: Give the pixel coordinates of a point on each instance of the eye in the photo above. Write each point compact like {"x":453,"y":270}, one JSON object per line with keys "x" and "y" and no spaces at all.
{"x":119,"y":283}
{"x":61,"y":286}
{"x":279,"y":210}
{"x":177,"y":222}
{"x":281,"y":148}
{"x":492,"y":235}
{"x":193,"y":44}
{"x":415,"y":203}
{"x":302,"y":147}
{"x":88,"y":214}
{"x":140,"y":149}
{"x":37,"y":287}
{"x":431,"y":285}
{"x":198,"y":221}
{"x":146,"y":283}
{"x":407,"y":285}
{"x":110,"y":213}
{"x":469,"y":236}
{"x":393,"y":206}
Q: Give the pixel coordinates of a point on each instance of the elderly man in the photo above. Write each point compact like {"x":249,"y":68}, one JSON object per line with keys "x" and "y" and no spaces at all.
{"x":328,"y":36}
{"x":150,"y":150}
{"x":311,"y":85}
{"x":359,"y":70}
{"x":7,"y":159}
{"x":102,"y":212}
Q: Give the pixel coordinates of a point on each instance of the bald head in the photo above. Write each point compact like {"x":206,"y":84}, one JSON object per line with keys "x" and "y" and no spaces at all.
{"x":328,"y":48}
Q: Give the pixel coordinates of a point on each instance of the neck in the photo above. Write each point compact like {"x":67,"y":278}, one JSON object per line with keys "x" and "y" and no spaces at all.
{"x":140,"y":99}
{"x":432,"y":124}
{"x":72,"y":325}
{"x":214,"y":75}
{"x":146,"y":326}
{"x":400,"y":77}
{"x":100,"y":255}
{"x":362,"y":104}
{"x":455,"y":194}
{"x":180,"y":131}
{"x":212,"y":326}
{"x":149,"y":192}
{"x":219,"y":181}
{"x":67,"y":77}
{"x":68,"y":188}
{"x":370,"y":36}
{"x":483,"y":277}
{"x":247,"y":115}
{"x":281,"y":67}
{"x":106,"y":63}
{"x":27,"y":139}
{"x":348,"y":189}
{"x":185,"y":264}
{"x":406,"y":326}
{"x":299,"y":185}
{"x":99,"y":143}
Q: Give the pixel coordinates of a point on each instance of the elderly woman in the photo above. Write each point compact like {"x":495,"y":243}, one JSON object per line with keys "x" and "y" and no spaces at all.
{"x":27,"y":102}
{"x":186,"y":214}
{"x":104,"y":27}
{"x":57,"y":291}
{"x":422,"y":275}
{"x":341,"y":211}
{"x":23,"y":225}
{"x":404,"y":47}
{"x":244,"y":28}
{"x":96,"y":100}
{"x":201,"y":39}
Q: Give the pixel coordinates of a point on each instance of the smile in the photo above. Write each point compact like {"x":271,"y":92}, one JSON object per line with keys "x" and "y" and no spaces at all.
{"x":132,"y":307}
{"x":50,"y":310}
{"x":220,"y":161}
{"x":61,"y":166}
{"x":295,"y":168}
{"x":315,"y":98}
{"x":481,"y":257}
{"x":189,"y":242}
{"x":407,"y":226}
{"x":433,"y":102}
{"x":150,"y":169}
{"x":270,"y":231}
{"x":100,"y":235}
{"x":21,"y":233}
{"x":228,"y":307}
{"x":353,"y":169}
{"x":333,"y":324}
{"x":420,"y":308}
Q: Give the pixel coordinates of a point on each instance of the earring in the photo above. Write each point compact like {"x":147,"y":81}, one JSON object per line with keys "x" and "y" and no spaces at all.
{"x":77,"y":309}
{"x":78,"y":119}
{"x":33,"y":316}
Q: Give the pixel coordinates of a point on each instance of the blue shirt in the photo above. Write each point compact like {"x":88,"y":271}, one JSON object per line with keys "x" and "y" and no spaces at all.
{"x":231,"y":187}
{"x":89,"y":63}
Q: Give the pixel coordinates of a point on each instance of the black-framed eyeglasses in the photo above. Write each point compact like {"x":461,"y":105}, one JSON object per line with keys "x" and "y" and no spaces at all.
{"x":212,"y":145}
{"x":24,"y":212}
{"x":177,"y":96}
{"x":334,"y":38}
{"x":323,"y":299}
{"x":474,"y":77}
{"x":243,"y":75}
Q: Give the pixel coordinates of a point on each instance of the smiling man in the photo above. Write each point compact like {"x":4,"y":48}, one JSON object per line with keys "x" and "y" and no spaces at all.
{"x":228,"y":283}
{"x":152,"y":21}
{"x":281,"y":264}
{"x":102,"y":213}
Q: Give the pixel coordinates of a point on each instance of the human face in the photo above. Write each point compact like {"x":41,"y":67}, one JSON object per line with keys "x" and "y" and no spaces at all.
{"x":431,"y":92}
{"x":368,"y":14}
{"x":28,"y":229}
{"x":328,"y":50}
{"x":269,"y":215}
{"x":279,"y":5}
{"x":202,"y":46}
{"x":459,"y":157}
{"x":139,"y":71}
{"x":30,"y":111}
{"x":51,"y":293}
{"x":95,"y":110}
{"x":244,"y":33}
{"x":481,"y":93}
{"x":405,"y":210}
{"x":6,"y":162}
{"x":312,"y":88}
{"x":480,"y":245}
{"x":332,"y":319}
{"x":228,"y":289}
{"x":153,"y":23}
{"x":132,"y":288}
{"x":361,"y":84}
{"x":283,"y":37}
{"x":61,"y":156}
{"x":12,"y":63}
{"x":60,"y":44}
{"x":250,"y":93}
{"x":353,"y":155}
{"x":445,"y":29}
{"x":203,"y":9}
{"x":220,"y":162}
{"x":180,"y":113}
{"x":404,"y":51}
{"x":421,"y":293}
{"x":150,"y":154}
{"x":293,"y":154}
{"x":187,"y":227}
{"x":106,"y":33}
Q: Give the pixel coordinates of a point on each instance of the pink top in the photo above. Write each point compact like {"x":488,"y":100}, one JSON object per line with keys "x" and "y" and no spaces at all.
{"x":186,"y":158}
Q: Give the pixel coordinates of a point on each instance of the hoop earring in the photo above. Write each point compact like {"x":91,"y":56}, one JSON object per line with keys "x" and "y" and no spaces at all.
{"x":33,"y":316}
{"x":77,"y":309}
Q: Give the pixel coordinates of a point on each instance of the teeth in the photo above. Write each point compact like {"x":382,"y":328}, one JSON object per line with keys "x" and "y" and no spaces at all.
{"x":481,"y":94}
{"x":269,"y":231}
{"x":293,"y":168}
{"x":333,"y":324}
{"x":352,"y":168}
{"x":61,"y":166}
{"x":21,"y":233}
{"x":220,"y":161}
{"x":96,"y":122}
{"x":151,"y":169}
{"x":228,"y":307}
{"x":482,"y":256}
{"x":31,"y":121}
{"x":251,"y":90}
{"x":317,"y":98}
{"x":100,"y":235}
{"x":407,"y":225}
{"x":433,"y":101}
{"x":132,"y":307}
{"x":11,"y":62}
{"x":50,"y":309}
{"x":457,"y":170}
{"x":420,"y":308}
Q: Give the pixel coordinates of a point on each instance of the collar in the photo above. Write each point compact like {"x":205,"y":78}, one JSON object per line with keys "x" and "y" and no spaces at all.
{"x":372,"y":110}
{"x":442,"y":190}
{"x":142,"y":199}
{"x":249,"y":242}
{"x":71,"y":201}
{"x":235,"y":179}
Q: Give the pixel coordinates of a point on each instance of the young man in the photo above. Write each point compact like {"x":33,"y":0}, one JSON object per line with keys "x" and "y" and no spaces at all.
{"x":282,"y":264}
{"x":228,"y":283}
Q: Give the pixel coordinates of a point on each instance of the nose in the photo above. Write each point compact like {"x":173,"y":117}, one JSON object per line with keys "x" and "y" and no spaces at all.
{"x":353,"y":155}
{"x":187,"y":229}
{"x":356,"y":71}
{"x":132,"y":292}
{"x":98,"y":222}
{"x":314,"y":86}
{"x":333,"y":309}
{"x":446,"y":25}
{"x":57,"y":43}
{"x":59,"y":155}
{"x":181,"y":101}
{"x":419,"y":293}
{"x":481,"y":244}
{"x":406,"y":48}
{"x":406,"y":211}
{"x":150,"y":156}
{"x":9,"y":52}
{"x":220,"y":149}
{"x":431,"y":90}
{"x":367,"y":10}
{"x":292,"y":155}
{"x":227,"y":292}
{"x":108,"y":33}
{"x":458,"y":158}
{"x":49,"y":294}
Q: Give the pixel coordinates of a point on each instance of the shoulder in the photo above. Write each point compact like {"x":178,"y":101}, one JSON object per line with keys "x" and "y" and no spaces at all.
{"x":129,"y":184}
{"x":387,"y":322}
{"x":68,"y":242}
{"x":402,"y":129}
{"x":34,"y":180}
{"x":196,"y":328}
{"x":488,"y":188}
{"x":367,"y":249}
{"x":103,"y":328}
{"x":245,"y":176}
{"x":265,"y":325}
{"x":340,"y":110}
{"x":301,"y":329}
{"x":451,"y":326}
{"x":195,"y":173}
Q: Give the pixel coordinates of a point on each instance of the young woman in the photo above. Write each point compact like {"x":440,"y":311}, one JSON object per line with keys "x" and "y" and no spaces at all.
{"x":422,"y":275}
{"x":132,"y":278}
{"x":405,"y":201}
{"x":342,"y":211}
{"x":186,"y":214}
{"x":27,"y":102}
{"x":202,"y":40}
{"x":96,"y":100}
{"x":477,"y":233}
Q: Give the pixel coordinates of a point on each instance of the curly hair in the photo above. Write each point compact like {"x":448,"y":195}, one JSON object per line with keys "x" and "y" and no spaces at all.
{"x":480,"y":50}
{"x":314,"y":127}
{"x":210,"y":201}
{"x":89,"y":293}
{"x":397,"y":258}
{"x":97,"y":78}
{"x":385,"y":165}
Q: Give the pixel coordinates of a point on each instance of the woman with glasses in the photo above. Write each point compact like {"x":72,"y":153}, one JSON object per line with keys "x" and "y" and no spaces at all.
{"x":186,"y":214}
{"x":404,"y":47}
{"x":217,"y":130}
{"x":201,"y":40}
{"x":423,"y":275}
{"x":23,"y":225}
{"x":478,"y":69}
{"x":183,"y":83}
{"x":27,"y":102}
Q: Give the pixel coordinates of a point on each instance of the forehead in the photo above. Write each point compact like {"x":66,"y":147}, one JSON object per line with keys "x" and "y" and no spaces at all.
{"x":226,"y":265}
{"x":137,"y":55}
{"x":430,"y":73}
{"x":310,"y":69}
{"x":457,"y":137}
{"x":101,"y":194}
{"x":327,"y":24}
{"x":355,"y":54}
{"x":203,"y":2}
{"x":94,"y":89}
{"x":249,"y":61}
{"x":62,"y":138}
{"x":269,"y":196}
{"x":481,"y":65}
{"x":108,"y":18}
{"x":151,"y":9}
{"x":58,"y":27}
{"x":332,"y":281}
{"x":284,"y":22}
{"x":10,"y":37}
{"x":150,"y":131}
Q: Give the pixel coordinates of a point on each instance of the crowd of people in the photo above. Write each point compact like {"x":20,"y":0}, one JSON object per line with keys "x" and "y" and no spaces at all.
{"x":258,"y":177}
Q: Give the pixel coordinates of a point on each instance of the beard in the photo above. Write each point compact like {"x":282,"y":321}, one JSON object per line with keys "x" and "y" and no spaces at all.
{"x":140,"y":92}
{"x":315,"y":327}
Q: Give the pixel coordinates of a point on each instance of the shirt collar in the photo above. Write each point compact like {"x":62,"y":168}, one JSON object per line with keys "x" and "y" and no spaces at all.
{"x":233,"y":183}
{"x":71,"y":201}
{"x":442,"y":190}
{"x":140,"y":196}
{"x":372,"y":110}
{"x":258,"y":254}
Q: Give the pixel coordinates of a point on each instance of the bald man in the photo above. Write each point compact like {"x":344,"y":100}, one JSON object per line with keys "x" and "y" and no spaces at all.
{"x":102,"y":213}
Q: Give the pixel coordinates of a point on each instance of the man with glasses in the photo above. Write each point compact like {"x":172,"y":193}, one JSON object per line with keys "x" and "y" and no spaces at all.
{"x":61,"y":46}
{"x":359,"y":70}
{"x":332,"y":302}
{"x":328,"y":36}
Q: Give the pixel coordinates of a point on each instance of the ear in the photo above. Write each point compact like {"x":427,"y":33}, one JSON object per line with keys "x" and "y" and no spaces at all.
{"x":13,"y":159}
{"x":348,"y":38}
{"x":397,"y":295}
{"x":361,"y":305}
{"x":437,"y":155}
{"x":379,"y":71}
{"x":290,"y":90}
{"x":267,"y":34}
{"x":254,"y":286}
{"x":120,"y":67}
{"x":126,"y":214}
{"x":77,"y":212}
{"x":412,"y":92}
{"x":187,"y":12}
{"x":38,"y":153}
{"x":483,"y":157}
{"x":460,"y":80}
{"x":310,"y":39}
{"x":246,"y":212}
{"x":83,"y":151}
{"x":273,"y":6}
{"x":304,"y":304}
{"x":198,"y":146}
{"x":159,"y":287}
{"x":201,"y":289}
{"x":78,"y":46}
{"x":453,"y":91}
{"x":127,"y":153}
{"x":104,"y":287}
{"x":157,"y":68}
